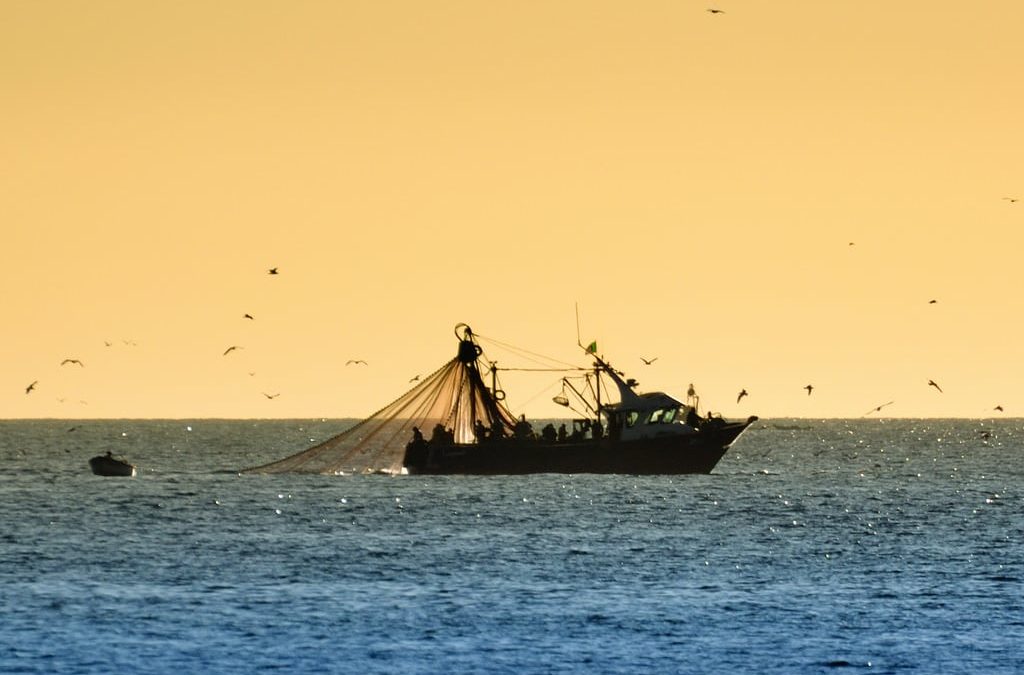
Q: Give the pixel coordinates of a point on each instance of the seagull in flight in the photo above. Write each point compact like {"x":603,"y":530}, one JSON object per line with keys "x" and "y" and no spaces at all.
{"x":1012,"y":200}
{"x":716,"y":11}
{"x":932,"y":302}
{"x":248,"y":316}
{"x":271,"y":395}
{"x":999,"y":408}
{"x":75,"y":361}
{"x":230,"y":349}
{"x":648,"y":362}
{"x":357,"y":362}
{"x":809,"y":389}
{"x":931,"y":383}
{"x":272,"y":270}
{"x":29,"y":388}
{"x":415,"y":379}
{"x":107,"y":343}
{"x":878,"y":408}
{"x":742,"y":393}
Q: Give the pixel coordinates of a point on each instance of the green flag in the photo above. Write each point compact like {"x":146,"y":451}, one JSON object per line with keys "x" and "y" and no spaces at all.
{"x":592,"y":347}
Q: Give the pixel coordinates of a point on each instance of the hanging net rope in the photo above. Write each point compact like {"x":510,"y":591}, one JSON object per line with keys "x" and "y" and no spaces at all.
{"x":453,"y":400}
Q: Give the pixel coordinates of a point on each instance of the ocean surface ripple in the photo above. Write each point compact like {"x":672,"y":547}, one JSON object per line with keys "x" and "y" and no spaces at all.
{"x":881,"y":546}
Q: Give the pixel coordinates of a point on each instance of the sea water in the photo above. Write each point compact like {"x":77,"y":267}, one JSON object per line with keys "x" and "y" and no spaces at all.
{"x":878,"y":546}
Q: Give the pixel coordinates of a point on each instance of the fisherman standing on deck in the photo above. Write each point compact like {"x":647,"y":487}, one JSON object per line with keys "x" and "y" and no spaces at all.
{"x":416,"y":451}
{"x":548,"y":433}
{"x":480,"y":431}
{"x":523,"y":430}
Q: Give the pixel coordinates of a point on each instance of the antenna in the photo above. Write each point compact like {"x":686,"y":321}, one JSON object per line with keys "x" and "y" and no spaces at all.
{"x":579,"y":342}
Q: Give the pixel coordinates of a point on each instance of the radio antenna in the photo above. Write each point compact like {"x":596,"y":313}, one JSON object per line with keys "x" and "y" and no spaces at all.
{"x":579,"y":342}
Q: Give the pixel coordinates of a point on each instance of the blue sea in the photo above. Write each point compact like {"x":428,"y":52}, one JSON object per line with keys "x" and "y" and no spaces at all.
{"x":827,"y":546}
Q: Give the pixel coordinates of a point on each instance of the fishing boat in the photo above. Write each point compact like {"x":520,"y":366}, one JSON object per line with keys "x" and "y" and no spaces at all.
{"x":108,"y":465}
{"x":616,"y":429}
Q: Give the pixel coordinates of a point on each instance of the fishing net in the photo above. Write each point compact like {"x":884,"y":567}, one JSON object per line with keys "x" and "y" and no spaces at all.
{"x":452,"y":401}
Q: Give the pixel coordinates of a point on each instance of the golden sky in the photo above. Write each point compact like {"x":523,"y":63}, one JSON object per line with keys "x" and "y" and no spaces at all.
{"x":693,"y":180}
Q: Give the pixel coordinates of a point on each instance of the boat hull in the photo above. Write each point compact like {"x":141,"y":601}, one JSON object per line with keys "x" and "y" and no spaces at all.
{"x":102,"y":465}
{"x":696,"y":453}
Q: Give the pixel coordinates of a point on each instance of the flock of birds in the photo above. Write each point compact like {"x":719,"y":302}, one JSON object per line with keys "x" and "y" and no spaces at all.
{"x":75,"y":362}
{"x":273,"y":271}
{"x":810,"y":387}
{"x":131,"y":343}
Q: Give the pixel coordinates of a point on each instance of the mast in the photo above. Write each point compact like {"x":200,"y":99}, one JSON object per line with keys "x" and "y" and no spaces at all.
{"x":489,"y":403}
{"x":626,"y":393}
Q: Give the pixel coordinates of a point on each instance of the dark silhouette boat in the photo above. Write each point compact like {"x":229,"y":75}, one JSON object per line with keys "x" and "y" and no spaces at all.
{"x":641,"y":433}
{"x":108,"y":465}
{"x":618,"y":430}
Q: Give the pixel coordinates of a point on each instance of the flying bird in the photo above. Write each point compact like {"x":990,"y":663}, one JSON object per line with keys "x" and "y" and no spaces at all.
{"x":932,"y":302}
{"x":272,"y":270}
{"x":75,"y":361}
{"x":809,"y":389}
{"x":415,"y":379}
{"x":741,"y":395}
{"x":648,"y":362}
{"x":356,"y":361}
{"x":230,"y":349}
{"x":29,"y":388}
{"x":717,"y":11}
{"x":248,"y":316}
{"x":271,"y":395}
{"x":931,"y":383}
{"x":999,"y":408}
{"x":1012,"y":200}
{"x":878,"y":408}
{"x":107,"y":344}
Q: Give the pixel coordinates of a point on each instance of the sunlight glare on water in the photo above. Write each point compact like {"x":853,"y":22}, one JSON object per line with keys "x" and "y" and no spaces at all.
{"x":814,"y":546}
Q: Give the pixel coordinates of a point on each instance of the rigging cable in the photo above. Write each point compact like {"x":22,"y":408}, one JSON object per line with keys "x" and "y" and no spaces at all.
{"x":522,"y":351}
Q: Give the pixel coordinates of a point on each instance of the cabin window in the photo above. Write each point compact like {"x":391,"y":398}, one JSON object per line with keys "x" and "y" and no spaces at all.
{"x":631,"y":418}
{"x":663,"y":416}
